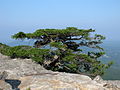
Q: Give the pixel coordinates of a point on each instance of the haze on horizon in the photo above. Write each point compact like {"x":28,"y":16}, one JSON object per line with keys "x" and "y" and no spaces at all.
{"x":29,"y":15}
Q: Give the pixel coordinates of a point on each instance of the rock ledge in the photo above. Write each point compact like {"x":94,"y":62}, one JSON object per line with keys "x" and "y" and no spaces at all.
{"x":21,"y":74}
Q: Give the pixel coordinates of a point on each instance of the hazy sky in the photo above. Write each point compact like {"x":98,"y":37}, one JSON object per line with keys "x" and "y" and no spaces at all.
{"x":29,"y":15}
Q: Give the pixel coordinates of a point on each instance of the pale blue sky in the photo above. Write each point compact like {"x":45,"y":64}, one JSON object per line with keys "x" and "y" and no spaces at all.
{"x":29,"y":15}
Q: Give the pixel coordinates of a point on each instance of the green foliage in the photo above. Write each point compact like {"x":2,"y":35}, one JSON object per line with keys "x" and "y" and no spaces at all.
{"x":95,"y":54}
{"x":57,"y":44}
{"x":4,"y":49}
{"x":39,"y":55}
{"x":20,"y":35}
{"x":24,"y":51}
{"x":67,"y":57}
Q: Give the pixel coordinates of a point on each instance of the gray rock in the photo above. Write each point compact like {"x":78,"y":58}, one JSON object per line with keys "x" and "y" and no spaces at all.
{"x":59,"y":81}
{"x":115,"y":83}
{"x":112,"y":85}
{"x":4,"y":85}
{"x":3,"y":75}
{"x":98,"y":78}
{"x":20,"y":67}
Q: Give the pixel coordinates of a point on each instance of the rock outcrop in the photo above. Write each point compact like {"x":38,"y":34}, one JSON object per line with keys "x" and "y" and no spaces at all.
{"x":111,"y":85}
{"x":23,"y":74}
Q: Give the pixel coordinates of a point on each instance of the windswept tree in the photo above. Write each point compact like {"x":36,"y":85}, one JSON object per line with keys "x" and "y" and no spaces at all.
{"x":67,"y":55}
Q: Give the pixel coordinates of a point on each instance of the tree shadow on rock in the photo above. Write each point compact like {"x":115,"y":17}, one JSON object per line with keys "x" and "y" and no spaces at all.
{"x":13,"y":83}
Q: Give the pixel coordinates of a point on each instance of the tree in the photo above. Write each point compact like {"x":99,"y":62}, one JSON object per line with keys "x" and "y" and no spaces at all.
{"x":67,"y":55}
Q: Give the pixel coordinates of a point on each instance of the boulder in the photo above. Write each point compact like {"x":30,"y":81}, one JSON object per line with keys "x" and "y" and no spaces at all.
{"x":17,"y":68}
{"x":111,"y":85}
{"x":59,"y":81}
